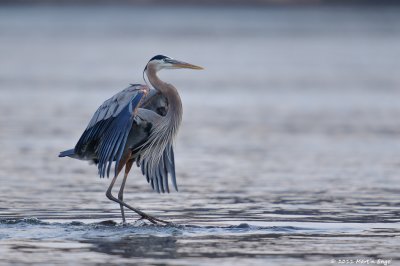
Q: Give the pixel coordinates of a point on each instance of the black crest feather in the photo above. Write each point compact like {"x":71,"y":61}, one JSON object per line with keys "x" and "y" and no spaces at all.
{"x":158,"y":57}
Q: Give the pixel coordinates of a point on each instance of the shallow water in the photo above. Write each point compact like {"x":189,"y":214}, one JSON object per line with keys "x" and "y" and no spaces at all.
{"x":288,"y":152}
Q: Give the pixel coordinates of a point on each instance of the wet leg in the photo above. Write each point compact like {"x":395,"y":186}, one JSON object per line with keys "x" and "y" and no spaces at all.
{"x":142,"y":214}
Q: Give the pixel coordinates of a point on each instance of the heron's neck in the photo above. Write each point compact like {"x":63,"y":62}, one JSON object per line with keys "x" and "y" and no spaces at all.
{"x":174,"y":113}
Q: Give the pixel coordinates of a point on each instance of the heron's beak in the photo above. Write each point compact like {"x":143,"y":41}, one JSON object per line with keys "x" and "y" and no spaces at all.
{"x":180,"y":64}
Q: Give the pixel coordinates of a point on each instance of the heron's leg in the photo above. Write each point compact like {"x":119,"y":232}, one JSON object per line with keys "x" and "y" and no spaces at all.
{"x":152,"y":219}
{"x":128,"y":167}
{"x":142,"y":214}
{"x":121,"y":197}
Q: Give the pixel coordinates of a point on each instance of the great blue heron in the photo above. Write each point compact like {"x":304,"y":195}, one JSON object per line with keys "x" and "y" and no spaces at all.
{"x":138,"y":125}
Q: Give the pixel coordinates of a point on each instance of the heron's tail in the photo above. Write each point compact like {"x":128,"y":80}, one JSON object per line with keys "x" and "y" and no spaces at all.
{"x":69,"y":153}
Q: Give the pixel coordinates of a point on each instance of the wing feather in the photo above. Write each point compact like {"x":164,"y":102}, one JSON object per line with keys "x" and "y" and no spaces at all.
{"x":171,"y":166}
{"x":156,"y":184}
{"x":163,"y":175}
{"x":160,"y":179}
{"x":109,"y":128}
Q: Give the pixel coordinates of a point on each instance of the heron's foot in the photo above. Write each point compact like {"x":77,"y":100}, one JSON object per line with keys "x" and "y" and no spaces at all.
{"x":152,"y":219}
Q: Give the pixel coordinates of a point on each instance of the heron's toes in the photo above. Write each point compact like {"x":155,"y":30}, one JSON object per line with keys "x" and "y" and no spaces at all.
{"x":140,"y":222}
{"x":153,"y":220}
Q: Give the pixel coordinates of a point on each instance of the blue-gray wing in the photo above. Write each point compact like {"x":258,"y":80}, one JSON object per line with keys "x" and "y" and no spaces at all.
{"x":106,"y":135}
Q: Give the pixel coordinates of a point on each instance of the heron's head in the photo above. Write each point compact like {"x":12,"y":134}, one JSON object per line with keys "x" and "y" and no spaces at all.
{"x":159,"y":62}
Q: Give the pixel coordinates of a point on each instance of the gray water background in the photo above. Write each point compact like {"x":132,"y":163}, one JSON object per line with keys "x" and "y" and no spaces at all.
{"x":288,"y":153}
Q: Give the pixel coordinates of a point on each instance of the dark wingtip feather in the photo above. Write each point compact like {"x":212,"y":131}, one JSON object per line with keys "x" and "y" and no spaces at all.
{"x":171,"y":167}
{"x":66,"y":153}
{"x":152,"y":184}
{"x":163,"y":174}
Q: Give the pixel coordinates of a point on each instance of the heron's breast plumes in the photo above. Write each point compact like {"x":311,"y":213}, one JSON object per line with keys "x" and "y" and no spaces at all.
{"x":161,"y":137}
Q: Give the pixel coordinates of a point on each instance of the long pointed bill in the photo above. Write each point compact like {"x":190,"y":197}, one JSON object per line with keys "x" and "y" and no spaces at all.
{"x":180,"y":64}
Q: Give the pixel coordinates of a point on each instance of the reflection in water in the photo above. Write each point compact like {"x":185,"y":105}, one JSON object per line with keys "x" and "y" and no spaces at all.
{"x":156,"y":247}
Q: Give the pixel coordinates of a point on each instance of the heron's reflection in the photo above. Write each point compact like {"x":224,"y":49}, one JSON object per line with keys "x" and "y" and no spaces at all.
{"x":137,"y":246}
